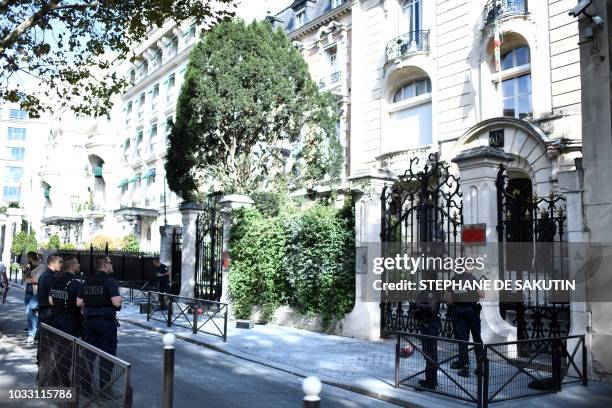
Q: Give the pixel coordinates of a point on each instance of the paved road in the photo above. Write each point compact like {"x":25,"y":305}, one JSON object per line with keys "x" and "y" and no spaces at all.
{"x":202,"y":377}
{"x":216,"y":380}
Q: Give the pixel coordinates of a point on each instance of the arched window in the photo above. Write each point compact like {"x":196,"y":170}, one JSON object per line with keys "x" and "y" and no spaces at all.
{"x":410,"y":115}
{"x":412,"y":90}
{"x":412,"y":14}
{"x":516,"y":83}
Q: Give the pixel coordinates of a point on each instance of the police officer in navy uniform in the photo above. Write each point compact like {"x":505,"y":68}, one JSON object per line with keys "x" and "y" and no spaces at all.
{"x":66,"y":314}
{"x":466,"y":319}
{"x":100,"y":298}
{"x":44,"y":283}
{"x":427,"y":311}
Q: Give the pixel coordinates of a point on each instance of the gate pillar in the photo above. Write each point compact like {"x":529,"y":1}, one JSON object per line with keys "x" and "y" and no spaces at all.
{"x":228,"y":203}
{"x":478,"y":168}
{"x":364,"y":320}
{"x":165,"y":246}
{"x":189,"y":214}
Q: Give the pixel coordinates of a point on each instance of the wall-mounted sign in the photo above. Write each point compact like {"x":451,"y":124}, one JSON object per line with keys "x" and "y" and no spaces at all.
{"x":474,"y":234}
{"x":496,"y":138}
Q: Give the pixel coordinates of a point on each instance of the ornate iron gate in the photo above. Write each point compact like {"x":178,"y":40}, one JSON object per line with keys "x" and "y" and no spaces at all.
{"x":177,"y":260}
{"x":536,"y":227}
{"x":208,"y":251}
{"x":421,"y":213}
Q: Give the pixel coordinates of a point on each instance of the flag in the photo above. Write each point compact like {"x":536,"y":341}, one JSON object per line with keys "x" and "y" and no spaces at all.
{"x":497,"y":43}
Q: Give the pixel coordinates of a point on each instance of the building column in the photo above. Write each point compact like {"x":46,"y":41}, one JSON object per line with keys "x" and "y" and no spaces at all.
{"x":478,"y":168}
{"x":364,"y":320}
{"x":228,"y":204}
{"x":189,"y":213}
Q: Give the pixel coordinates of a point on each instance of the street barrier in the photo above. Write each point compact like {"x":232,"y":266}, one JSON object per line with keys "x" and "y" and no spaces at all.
{"x":496,"y":372}
{"x":198,"y":315}
{"x":96,"y":377}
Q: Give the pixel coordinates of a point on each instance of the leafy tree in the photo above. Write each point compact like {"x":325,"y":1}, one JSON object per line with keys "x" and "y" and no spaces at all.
{"x":70,"y":48}
{"x":54,"y":242}
{"x":248,"y":101}
{"x":130,"y":243}
{"x":24,"y":242}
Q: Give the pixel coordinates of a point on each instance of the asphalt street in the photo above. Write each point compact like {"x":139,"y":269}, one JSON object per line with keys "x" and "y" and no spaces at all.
{"x":203,"y":377}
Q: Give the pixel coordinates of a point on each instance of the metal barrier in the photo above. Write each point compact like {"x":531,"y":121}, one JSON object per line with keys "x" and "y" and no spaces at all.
{"x":97,"y":378}
{"x":137,"y":290}
{"x":198,"y":315}
{"x":496,"y":372}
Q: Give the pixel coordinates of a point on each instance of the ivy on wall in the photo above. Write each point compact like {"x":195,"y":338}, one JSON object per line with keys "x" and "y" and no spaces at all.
{"x":286,"y":255}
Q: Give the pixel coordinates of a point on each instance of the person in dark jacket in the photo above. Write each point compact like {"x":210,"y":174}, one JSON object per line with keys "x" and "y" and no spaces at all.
{"x":66,"y":314}
{"x":44,"y":283}
{"x":99,"y":296}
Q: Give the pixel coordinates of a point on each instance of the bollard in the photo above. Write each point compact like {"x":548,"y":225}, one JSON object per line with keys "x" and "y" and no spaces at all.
{"x":312,"y":389}
{"x":168,"y":380}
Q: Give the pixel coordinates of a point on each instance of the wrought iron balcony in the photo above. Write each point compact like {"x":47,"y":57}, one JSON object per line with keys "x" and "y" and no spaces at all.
{"x":335,"y":77}
{"x":406,"y":44}
{"x":496,"y":9}
{"x":397,"y":162}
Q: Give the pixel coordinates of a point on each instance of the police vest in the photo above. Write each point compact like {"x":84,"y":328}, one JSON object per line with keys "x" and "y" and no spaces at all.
{"x":95,"y":293}
{"x":63,"y":302}
{"x":465,"y":294}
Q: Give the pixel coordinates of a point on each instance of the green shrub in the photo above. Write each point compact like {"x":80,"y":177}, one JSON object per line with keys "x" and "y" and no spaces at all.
{"x":130,"y":243}
{"x":53,"y":243}
{"x":68,"y":246}
{"x":24,"y":242}
{"x":303,"y":258}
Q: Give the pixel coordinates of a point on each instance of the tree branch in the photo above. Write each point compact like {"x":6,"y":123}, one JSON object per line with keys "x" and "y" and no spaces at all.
{"x":31,"y":21}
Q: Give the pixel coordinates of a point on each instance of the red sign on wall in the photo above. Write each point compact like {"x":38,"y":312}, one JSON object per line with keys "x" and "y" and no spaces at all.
{"x":474,"y":234}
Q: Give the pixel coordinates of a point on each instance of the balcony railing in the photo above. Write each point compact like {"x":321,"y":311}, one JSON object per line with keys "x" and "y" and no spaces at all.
{"x":496,"y":9}
{"x":406,"y":44}
{"x":335,"y":77}
{"x":397,"y":162}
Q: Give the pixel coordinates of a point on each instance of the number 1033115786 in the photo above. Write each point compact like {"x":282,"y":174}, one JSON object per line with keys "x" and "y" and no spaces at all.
{"x":63,"y":394}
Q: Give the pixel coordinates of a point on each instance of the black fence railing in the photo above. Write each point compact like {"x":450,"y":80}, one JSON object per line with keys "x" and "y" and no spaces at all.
{"x":198,"y":315}
{"x":136,"y":291}
{"x":127,"y":266}
{"x":496,"y":372}
{"x":406,"y":44}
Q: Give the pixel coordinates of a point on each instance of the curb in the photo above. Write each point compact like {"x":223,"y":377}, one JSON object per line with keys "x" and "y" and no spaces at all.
{"x":294,"y":371}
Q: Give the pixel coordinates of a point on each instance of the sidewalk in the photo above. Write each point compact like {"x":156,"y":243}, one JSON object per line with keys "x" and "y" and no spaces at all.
{"x":357,"y":365}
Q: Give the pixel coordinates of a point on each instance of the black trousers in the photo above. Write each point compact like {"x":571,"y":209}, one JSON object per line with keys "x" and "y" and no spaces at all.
{"x":430,"y":348}
{"x":467,"y":320}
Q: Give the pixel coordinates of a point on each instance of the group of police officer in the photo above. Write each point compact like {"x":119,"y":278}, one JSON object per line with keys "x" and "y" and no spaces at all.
{"x":464,"y":312}
{"x":84,"y":309}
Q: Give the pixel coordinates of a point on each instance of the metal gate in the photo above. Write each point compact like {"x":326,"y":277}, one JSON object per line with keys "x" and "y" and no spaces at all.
{"x":208,"y":251}
{"x":534,"y":226}
{"x":421,"y":213}
{"x":177,"y":260}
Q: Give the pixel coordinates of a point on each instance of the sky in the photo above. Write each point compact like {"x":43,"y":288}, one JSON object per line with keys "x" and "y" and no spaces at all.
{"x":250,"y":9}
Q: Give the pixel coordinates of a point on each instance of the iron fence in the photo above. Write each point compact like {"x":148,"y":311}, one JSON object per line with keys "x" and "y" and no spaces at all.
{"x":135,"y":291}
{"x":406,"y":44}
{"x":198,"y":315}
{"x":97,"y":378}
{"x":496,"y":372}
{"x":127,"y":266}
{"x":496,"y":9}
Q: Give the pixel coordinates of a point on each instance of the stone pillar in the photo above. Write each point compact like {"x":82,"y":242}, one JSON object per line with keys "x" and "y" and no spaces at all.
{"x":229,"y":203}
{"x":165,"y":247}
{"x":189,"y":213}
{"x":13,"y":224}
{"x":478,"y":168}
{"x":364,"y":320}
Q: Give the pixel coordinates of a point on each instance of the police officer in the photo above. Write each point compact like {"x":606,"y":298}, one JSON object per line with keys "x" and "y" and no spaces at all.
{"x":163,"y":280}
{"x":44,"y":283}
{"x":66,"y":314}
{"x":466,"y":319}
{"x":99,"y":296}
{"x":426,"y":311}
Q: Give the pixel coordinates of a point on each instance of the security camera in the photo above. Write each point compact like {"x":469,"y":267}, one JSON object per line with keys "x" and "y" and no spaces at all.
{"x":580,"y":8}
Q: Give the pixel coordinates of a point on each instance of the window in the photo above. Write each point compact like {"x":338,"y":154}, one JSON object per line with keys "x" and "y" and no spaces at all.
{"x":168,"y":125}
{"x":172,"y":48}
{"x":157,"y":59}
{"x":516,"y":83}
{"x":332,"y":61}
{"x":18,"y":114}
{"x":336,"y":3}
{"x":16,"y":133}
{"x":143,"y":70}
{"x":128,"y":113}
{"x":13,"y":174}
{"x":189,"y":35}
{"x":16,"y":153}
{"x":153,"y":138}
{"x":300,"y":18}
{"x":139,"y":137}
{"x":132,"y":77}
{"x":170,"y":88}
{"x":141,"y":102}
{"x":412,"y":90}
{"x":154,"y":97}
{"x":412,"y":14}
{"x":11,"y":194}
